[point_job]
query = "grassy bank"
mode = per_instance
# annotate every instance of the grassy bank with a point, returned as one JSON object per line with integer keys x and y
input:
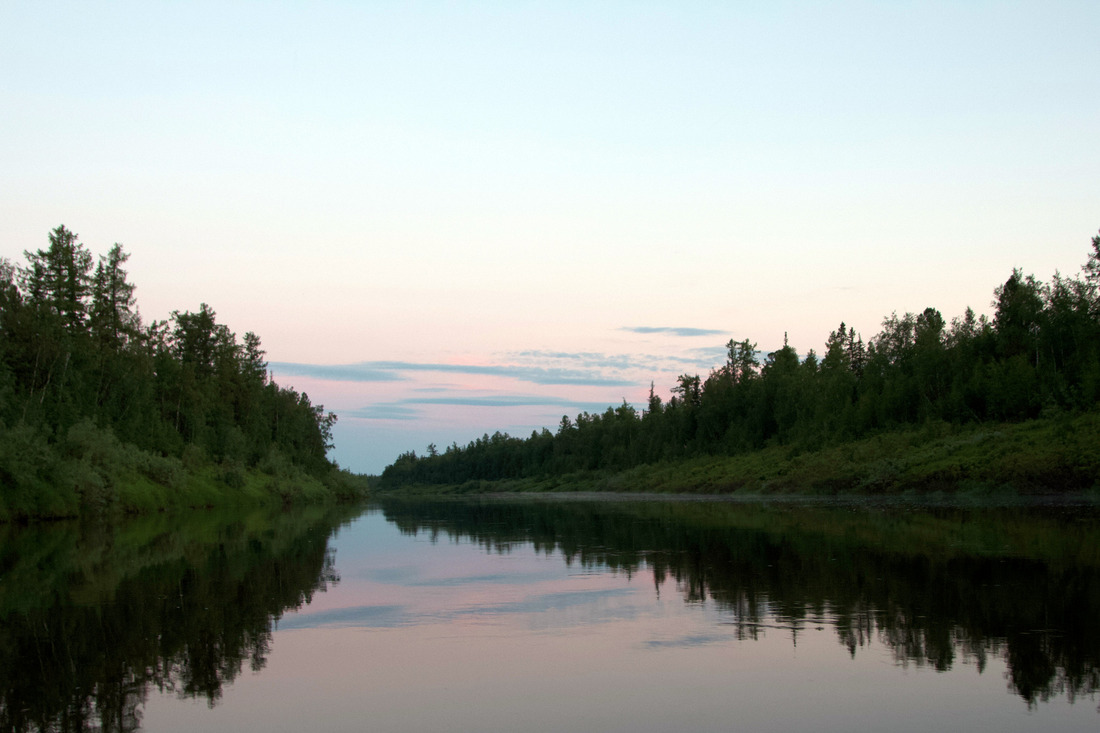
{"x": 91, "y": 471}
{"x": 1053, "y": 455}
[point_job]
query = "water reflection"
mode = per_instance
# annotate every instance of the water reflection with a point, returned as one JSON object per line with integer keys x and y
{"x": 938, "y": 586}
{"x": 93, "y": 616}
{"x": 444, "y": 603}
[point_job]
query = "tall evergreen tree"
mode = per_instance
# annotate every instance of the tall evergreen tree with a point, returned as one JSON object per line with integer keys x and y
{"x": 58, "y": 278}
{"x": 113, "y": 318}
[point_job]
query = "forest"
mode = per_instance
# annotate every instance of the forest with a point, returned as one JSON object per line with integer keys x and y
{"x": 100, "y": 410}
{"x": 1038, "y": 357}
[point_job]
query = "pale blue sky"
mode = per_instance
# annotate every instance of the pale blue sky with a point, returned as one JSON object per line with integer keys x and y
{"x": 449, "y": 218}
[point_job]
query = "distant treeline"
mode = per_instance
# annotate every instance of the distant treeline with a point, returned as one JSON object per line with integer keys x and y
{"x": 1040, "y": 353}
{"x": 84, "y": 382}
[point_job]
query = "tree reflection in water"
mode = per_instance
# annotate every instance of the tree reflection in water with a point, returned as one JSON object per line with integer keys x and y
{"x": 936, "y": 585}
{"x": 93, "y": 616}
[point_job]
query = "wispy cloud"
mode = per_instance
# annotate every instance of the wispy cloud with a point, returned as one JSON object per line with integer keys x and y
{"x": 407, "y": 408}
{"x": 543, "y": 368}
{"x": 395, "y": 371}
{"x": 361, "y": 372}
{"x": 675, "y": 330}
{"x": 383, "y": 411}
{"x": 506, "y": 401}
{"x": 635, "y": 365}
{"x": 707, "y": 357}
{"x": 588, "y": 361}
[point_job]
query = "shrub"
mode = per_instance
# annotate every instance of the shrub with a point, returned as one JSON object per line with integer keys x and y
{"x": 164, "y": 470}
{"x": 32, "y": 476}
{"x": 232, "y": 474}
{"x": 276, "y": 463}
{"x": 194, "y": 457}
{"x": 99, "y": 447}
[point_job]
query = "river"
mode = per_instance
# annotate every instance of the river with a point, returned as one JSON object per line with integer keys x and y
{"x": 551, "y": 614}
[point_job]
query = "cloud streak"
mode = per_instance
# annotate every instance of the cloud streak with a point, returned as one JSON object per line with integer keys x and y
{"x": 396, "y": 371}
{"x": 629, "y": 371}
{"x": 682, "y": 331}
{"x": 361, "y": 372}
{"x": 383, "y": 411}
{"x": 407, "y": 409}
{"x": 638, "y": 365}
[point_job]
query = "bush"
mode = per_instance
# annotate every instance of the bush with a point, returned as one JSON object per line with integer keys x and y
{"x": 275, "y": 463}
{"x": 232, "y": 474}
{"x": 164, "y": 470}
{"x": 94, "y": 488}
{"x": 29, "y": 475}
{"x": 194, "y": 457}
{"x": 98, "y": 447}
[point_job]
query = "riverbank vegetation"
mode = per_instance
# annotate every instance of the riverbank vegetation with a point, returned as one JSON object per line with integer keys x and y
{"x": 100, "y": 411}
{"x": 1010, "y": 402}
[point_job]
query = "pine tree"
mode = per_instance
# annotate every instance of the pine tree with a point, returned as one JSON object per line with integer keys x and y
{"x": 58, "y": 279}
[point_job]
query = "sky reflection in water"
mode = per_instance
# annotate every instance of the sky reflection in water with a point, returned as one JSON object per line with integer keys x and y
{"x": 439, "y": 630}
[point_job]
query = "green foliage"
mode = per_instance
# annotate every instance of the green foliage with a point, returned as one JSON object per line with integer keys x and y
{"x": 91, "y": 400}
{"x": 29, "y": 473}
{"x": 1039, "y": 353}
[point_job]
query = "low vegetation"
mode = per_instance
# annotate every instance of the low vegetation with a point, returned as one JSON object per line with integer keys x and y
{"x": 1044, "y": 456}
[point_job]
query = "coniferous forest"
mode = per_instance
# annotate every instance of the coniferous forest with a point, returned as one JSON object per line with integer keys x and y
{"x": 1037, "y": 359}
{"x": 100, "y": 410}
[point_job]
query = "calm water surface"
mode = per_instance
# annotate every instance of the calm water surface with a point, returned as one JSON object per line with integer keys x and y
{"x": 558, "y": 616}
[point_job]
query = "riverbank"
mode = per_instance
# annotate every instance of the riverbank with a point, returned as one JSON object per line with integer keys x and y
{"x": 1052, "y": 455}
{"x": 92, "y": 472}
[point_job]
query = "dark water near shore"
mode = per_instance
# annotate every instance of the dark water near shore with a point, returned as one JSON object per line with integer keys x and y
{"x": 500, "y": 615}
